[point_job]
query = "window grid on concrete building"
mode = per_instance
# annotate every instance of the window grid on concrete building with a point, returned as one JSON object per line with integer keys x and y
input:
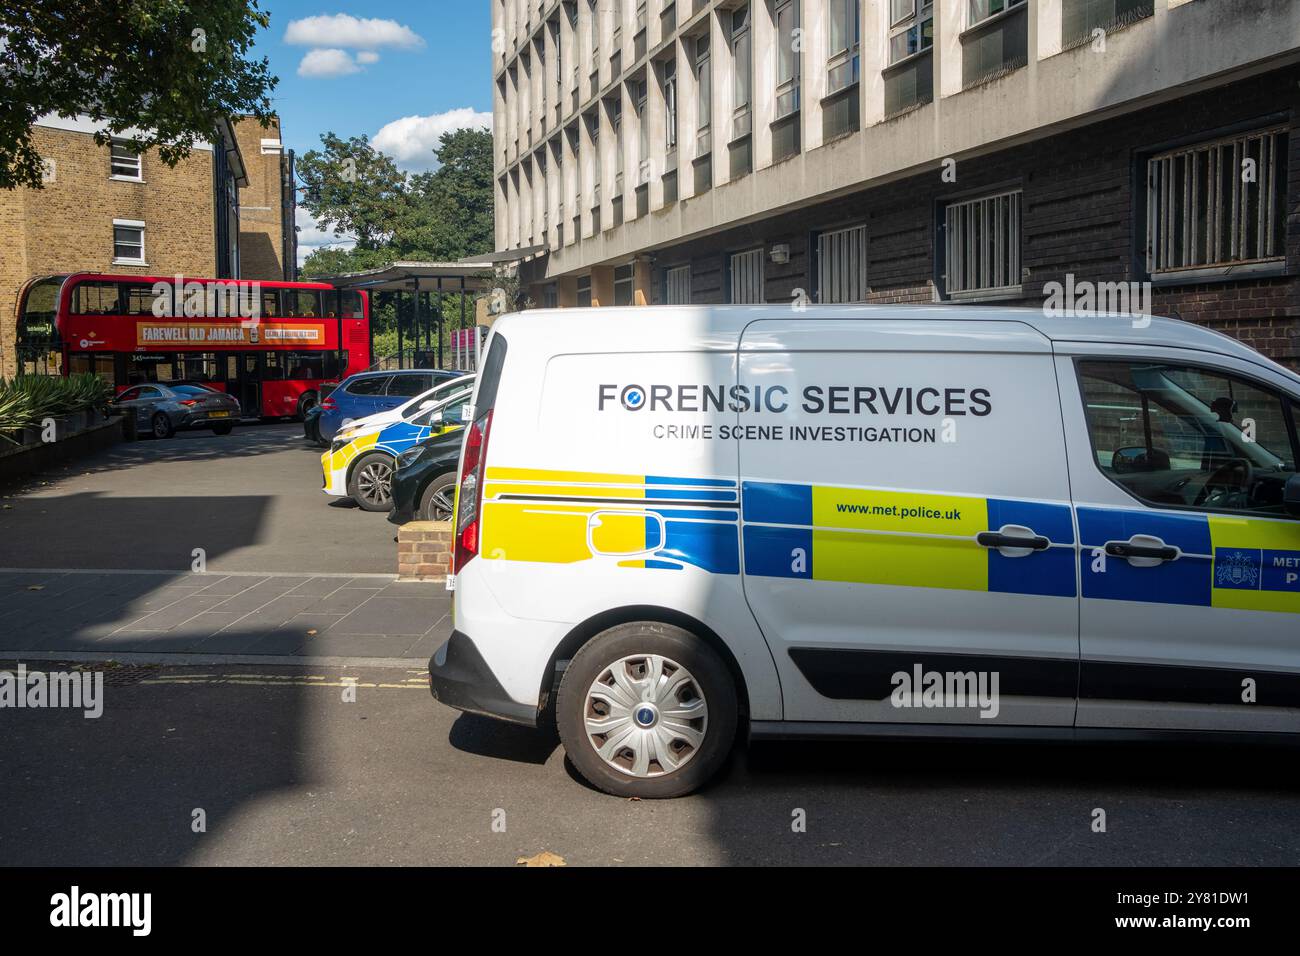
{"x": 982, "y": 243}
{"x": 746, "y": 274}
{"x": 677, "y": 285}
{"x": 842, "y": 265}
{"x": 1218, "y": 203}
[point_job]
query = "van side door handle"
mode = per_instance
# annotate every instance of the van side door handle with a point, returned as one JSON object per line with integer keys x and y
{"x": 1001, "y": 539}
{"x": 1150, "y": 549}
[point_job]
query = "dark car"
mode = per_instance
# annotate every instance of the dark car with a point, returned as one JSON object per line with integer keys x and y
{"x": 163, "y": 408}
{"x": 366, "y": 393}
{"x": 424, "y": 485}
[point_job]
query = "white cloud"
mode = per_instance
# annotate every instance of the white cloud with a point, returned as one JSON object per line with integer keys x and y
{"x": 312, "y": 237}
{"x": 342, "y": 30}
{"x": 322, "y": 64}
{"x": 410, "y": 140}
{"x": 367, "y": 56}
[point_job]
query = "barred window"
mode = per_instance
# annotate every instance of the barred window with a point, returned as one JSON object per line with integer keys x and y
{"x": 677, "y": 286}
{"x": 1218, "y": 203}
{"x": 747, "y": 277}
{"x": 842, "y": 265}
{"x": 982, "y": 243}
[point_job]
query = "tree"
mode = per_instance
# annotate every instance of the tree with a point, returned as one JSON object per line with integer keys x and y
{"x": 442, "y": 216}
{"x": 170, "y": 69}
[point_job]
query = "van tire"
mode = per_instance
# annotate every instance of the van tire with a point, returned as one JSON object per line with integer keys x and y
{"x": 708, "y": 677}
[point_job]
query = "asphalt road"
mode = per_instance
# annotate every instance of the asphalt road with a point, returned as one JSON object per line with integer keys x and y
{"x": 286, "y": 772}
{"x": 252, "y": 500}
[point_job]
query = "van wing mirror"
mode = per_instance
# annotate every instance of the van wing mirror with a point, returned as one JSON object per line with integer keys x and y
{"x": 1291, "y": 496}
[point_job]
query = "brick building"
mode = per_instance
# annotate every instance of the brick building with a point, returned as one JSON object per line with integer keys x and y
{"x": 224, "y": 211}
{"x": 708, "y": 151}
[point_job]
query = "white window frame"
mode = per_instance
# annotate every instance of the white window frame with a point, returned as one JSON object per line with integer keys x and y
{"x": 745, "y": 277}
{"x": 742, "y": 81}
{"x": 977, "y": 11}
{"x": 920, "y": 13}
{"x": 127, "y": 161}
{"x": 703, "y": 67}
{"x": 1175, "y": 248}
{"x": 851, "y": 54}
{"x": 966, "y": 222}
{"x": 128, "y": 224}
{"x": 789, "y": 87}
{"x": 842, "y": 265}
{"x": 670, "y": 105}
{"x": 677, "y": 285}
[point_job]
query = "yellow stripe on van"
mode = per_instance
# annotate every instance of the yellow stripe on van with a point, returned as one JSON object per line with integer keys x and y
{"x": 497, "y": 489}
{"x": 562, "y": 477}
{"x": 867, "y": 509}
{"x": 529, "y": 531}
{"x": 1262, "y": 535}
{"x": 900, "y": 560}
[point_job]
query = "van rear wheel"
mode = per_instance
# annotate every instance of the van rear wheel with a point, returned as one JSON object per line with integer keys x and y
{"x": 647, "y": 710}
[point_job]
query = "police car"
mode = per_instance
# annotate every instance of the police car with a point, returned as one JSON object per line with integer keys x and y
{"x": 858, "y": 521}
{"x": 363, "y": 456}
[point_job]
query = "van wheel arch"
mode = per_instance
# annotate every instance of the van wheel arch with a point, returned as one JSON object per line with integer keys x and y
{"x": 593, "y": 626}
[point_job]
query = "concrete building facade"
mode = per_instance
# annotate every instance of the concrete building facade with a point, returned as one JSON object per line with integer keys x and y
{"x": 226, "y": 211}
{"x": 707, "y": 151}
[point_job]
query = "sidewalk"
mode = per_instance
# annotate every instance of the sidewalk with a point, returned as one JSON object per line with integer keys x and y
{"x": 308, "y": 616}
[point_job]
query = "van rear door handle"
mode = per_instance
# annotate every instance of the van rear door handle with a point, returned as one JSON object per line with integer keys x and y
{"x": 1000, "y": 539}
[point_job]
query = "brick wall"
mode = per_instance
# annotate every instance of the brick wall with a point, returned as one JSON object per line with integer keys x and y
{"x": 424, "y": 550}
{"x": 261, "y": 232}
{"x": 68, "y": 225}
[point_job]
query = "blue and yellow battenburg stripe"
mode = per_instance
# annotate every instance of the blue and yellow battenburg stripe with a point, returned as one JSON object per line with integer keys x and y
{"x": 882, "y": 537}
{"x": 904, "y": 539}
{"x": 1226, "y": 561}
{"x": 638, "y": 521}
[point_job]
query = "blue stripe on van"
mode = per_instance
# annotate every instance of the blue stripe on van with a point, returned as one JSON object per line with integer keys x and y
{"x": 776, "y": 503}
{"x": 1184, "y": 581}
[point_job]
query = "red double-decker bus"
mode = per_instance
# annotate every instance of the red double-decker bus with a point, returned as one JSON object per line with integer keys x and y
{"x": 272, "y": 345}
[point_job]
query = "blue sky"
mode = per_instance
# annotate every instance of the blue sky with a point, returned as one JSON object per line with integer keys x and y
{"x": 400, "y": 73}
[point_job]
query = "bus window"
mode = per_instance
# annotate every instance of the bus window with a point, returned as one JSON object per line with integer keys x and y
{"x": 137, "y": 299}
{"x": 302, "y": 304}
{"x": 95, "y": 298}
{"x": 271, "y": 303}
{"x": 306, "y": 365}
{"x": 100, "y": 364}
{"x": 199, "y": 367}
{"x": 152, "y": 367}
{"x": 274, "y": 367}
{"x": 350, "y": 305}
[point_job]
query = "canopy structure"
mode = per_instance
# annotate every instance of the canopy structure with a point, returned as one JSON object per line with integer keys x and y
{"x": 433, "y": 305}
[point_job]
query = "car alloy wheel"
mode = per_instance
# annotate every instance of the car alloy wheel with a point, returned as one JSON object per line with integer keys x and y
{"x": 375, "y": 483}
{"x": 646, "y": 715}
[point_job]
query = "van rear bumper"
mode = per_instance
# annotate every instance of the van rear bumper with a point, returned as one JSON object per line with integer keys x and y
{"x": 459, "y": 677}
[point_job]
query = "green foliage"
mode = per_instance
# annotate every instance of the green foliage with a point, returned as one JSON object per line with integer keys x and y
{"x": 438, "y": 216}
{"x": 170, "y": 68}
{"x": 25, "y": 402}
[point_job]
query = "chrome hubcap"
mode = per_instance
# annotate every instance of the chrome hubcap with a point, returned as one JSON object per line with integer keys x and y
{"x": 375, "y": 483}
{"x": 646, "y": 716}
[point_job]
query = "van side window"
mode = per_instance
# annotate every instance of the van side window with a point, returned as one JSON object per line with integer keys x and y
{"x": 1190, "y": 437}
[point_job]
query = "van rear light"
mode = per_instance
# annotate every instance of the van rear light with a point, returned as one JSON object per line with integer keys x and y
{"x": 469, "y": 497}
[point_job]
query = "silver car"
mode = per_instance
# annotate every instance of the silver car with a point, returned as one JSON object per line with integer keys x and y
{"x": 161, "y": 408}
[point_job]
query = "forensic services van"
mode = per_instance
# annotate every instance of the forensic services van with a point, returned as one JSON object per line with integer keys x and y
{"x": 676, "y": 523}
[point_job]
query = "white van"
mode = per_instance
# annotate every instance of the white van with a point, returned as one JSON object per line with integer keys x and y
{"x": 851, "y": 521}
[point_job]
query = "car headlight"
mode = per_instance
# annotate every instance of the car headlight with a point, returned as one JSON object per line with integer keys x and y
{"x": 410, "y": 456}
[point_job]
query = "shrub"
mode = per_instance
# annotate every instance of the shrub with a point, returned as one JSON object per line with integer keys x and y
{"x": 28, "y": 400}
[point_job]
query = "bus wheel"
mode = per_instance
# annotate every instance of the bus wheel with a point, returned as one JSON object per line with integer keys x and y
{"x": 371, "y": 483}
{"x": 308, "y": 401}
{"x": 647, "y": 710}
{"x": 162, "y": 426}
